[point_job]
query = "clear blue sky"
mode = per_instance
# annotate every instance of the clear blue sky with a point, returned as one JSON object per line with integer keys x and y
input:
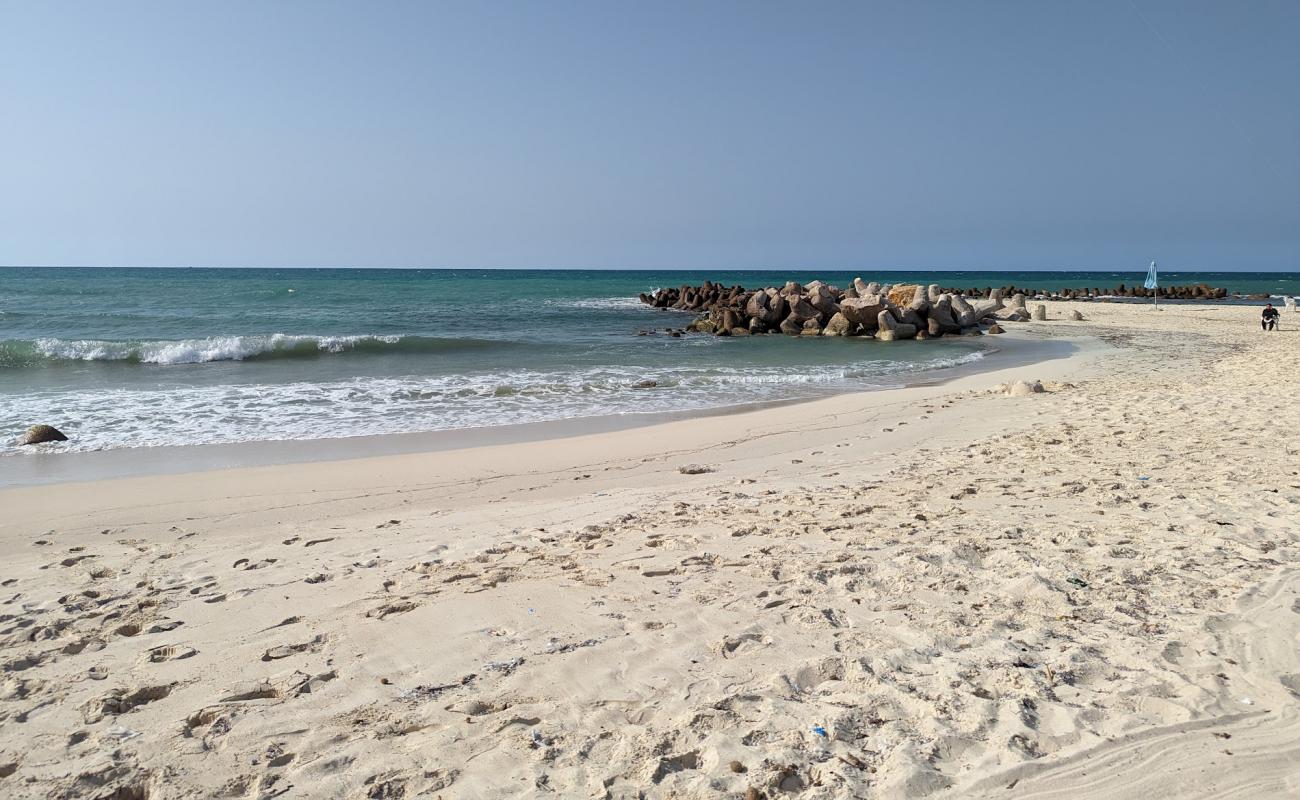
{"x": 911, "y": 134}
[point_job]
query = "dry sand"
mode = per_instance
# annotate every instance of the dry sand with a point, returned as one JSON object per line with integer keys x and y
{"x": 1089, "y": 592}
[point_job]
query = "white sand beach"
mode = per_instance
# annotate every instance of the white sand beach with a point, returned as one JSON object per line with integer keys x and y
{"x": 1090, "y": 592}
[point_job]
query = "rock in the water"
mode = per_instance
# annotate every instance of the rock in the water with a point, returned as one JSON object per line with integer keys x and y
{"x": 1040, "y": 312}
{"x": 822, "y": 298}
{"x": 862, "y": 310}
{"x": 913, "y": 317}
{"x": 801, "y": 310}
{"x": 1023, "y": 388}
{"x": 941, "y": 316}
{"x": 42, "y": 433}
{"x": 811, "y": 327}
{"x": 903, "y": 294}
{"x": 996, "y": 328}
{"x": 649, "y": 384}
{"x": 766, "y": 308}
{"x": 901, "y": 330}
{"x": 838, "y": 325}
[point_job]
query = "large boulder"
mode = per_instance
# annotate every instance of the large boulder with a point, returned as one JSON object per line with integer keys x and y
{"x": 901, "y": 330}
{"x": 792, "y": 288}
{"x": 37, "y": 434}
{"x": 1017, "y": 300}
{"x": 811, "y": 327}
{"x": 767, "y": 309}
{"x": 911, "y": 316}
{"x": 964, "y": 312}
{"x": 862, "y": 310}
{"x": 885, "y": 320}
{"x": 984, "y": 308}
{"x": 903, "y": 294}
{"x": 791, "y": 326}
{"x": 1040, "y": 312}
{"x": 822, "y": 298}
{"x": 838, "y": 325}
{"x": 801, "y": 309}
{"x": 942, "y": 316}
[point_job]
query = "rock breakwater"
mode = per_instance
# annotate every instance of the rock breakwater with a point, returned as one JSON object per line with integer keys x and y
{"x": 900, "y": 311}
{"x": 883, "y": 311}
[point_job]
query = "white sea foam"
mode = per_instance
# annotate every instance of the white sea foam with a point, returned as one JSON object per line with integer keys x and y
{"x": 196, "y": 351}
{"x": 598, "y": 303}
{"x": 113, "y": 418}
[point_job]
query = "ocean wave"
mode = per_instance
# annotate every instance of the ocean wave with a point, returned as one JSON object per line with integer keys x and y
{"x": 597, "y": 303}
{"x": 22, "y": 353}
{"x": 98, "y": 419}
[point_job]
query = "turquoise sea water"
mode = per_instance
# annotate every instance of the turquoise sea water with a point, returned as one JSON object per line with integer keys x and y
{"x": 141, "y": 357}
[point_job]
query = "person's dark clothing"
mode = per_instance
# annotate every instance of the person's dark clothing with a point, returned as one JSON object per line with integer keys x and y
{"x": 1268, "y": 320}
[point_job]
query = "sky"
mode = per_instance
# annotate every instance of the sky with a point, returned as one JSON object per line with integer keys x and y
{"x": 836, "y": 135}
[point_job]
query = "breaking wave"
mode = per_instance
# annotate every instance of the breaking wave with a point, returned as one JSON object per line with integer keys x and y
{"x": 98, "y": 419}
{"x": 23, "y": 353}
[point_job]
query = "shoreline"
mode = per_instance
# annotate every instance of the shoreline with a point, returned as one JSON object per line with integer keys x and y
{"x": 1010, "y": 350}
{"x": 942, "y": 589}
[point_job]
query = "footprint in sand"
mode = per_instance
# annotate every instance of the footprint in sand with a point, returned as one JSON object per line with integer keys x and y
{"x": 389, "y": 609}
{"x": 247, "y": 564}
{"x": 286, "y": 650}
{"x": 123, "y": 701}
{"x": 253, "y": 691}
{"x": 170, "y": 652}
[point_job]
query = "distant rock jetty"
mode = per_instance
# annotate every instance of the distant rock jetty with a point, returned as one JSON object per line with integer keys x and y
{"x": 901, "y": 311}
{"x": 886, "y": 312}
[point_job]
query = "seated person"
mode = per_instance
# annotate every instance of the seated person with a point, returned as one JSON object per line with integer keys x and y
{"x": 1268, "y": 320}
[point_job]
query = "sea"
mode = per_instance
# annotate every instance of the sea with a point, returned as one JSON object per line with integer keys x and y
{"x": 143, "y": 357}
